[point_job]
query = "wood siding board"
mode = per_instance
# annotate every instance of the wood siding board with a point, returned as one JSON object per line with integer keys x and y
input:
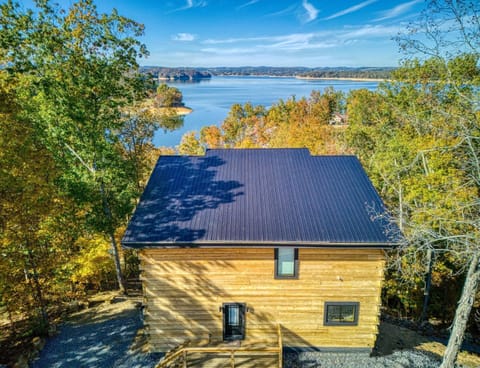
{"x": 185, "y": 287}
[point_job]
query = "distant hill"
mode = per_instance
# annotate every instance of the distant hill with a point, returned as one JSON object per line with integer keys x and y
{"x": 259, "y": 71}
{"x": 195, "y": 74}
{"x": 175, "y": 74}
{"x": 361, "y": 73}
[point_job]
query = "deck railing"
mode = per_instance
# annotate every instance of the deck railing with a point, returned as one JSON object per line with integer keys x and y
{"x": 280, "y": 346}
{"x": 179, "y": 355}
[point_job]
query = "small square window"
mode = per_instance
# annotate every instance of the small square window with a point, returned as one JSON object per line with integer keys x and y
{"x": 341, "y": 313}
{"x": 286, "y": 263}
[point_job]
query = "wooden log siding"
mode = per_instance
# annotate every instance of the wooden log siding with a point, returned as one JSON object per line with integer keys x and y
{"x": 184, "y": 289}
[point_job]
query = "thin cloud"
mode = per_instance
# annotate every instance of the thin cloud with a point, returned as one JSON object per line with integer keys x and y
{"x": 231, "y": 51}
{"x": 284, "y": 43}
{"x": 196, "y": 4}
{"x": 301, "y": 46}
{"x": 368, "y": 31}
{"x": 183, "y": 37}
{"x": 191, "y": 4}
{"x": 233, "y": 40}
{"x": 288, "y": 10}
{"x": 294, "y": 41}
{"x": 397, "y": 10}
{"x": 273, "y": 48}
{"x": 312, "y": 12}
{"x": 340, "y": 46}
{"x": 352, "y": 9}
{"x": 301, "y": 41}
{"x": 252, "y": 2}
{"x": 290, "y": 38}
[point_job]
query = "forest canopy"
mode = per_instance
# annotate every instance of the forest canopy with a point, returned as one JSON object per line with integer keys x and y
{"x": 75, "y": 151}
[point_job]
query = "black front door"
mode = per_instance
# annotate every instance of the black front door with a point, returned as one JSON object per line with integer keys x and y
{"x": 233, "y": 321}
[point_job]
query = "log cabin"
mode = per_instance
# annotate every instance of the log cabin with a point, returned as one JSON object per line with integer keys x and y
{"x": 234, "y": 242}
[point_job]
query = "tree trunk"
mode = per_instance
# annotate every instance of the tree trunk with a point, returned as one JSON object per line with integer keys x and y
{"x": 113, "y": 242}
{"x": 11, "y": 320}
{"x": 35, "y": 282}
{"x": 462, "y": 313}
{"x": 428, "y": 284}
{"x": 118, "y": 268}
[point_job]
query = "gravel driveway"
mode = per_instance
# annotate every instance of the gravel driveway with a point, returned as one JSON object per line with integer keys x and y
{"x": 103, "y": 339}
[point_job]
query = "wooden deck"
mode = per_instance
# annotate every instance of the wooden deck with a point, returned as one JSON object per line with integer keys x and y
{"x": 210, "y": 354}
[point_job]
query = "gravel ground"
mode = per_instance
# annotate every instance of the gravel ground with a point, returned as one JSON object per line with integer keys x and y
{"x": 401, "y": 359}
{"x": 89, "y": 341}
{"x": 107, "y": 336}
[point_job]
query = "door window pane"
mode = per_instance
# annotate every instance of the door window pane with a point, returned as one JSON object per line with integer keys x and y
{"x": 233, "y": 316}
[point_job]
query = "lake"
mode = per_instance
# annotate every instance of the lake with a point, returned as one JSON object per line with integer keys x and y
{"x": 211, "y": 99}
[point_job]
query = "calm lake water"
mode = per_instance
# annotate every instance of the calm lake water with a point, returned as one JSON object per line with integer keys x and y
{"x": 211, "y": 99}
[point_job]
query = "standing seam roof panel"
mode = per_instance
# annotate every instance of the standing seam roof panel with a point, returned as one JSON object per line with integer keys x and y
{"x": 258, "y": 195}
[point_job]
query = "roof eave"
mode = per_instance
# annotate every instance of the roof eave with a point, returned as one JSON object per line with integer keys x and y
{"x": 261, "y": 244}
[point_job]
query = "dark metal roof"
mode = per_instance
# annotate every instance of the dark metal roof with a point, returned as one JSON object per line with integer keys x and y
{"x": 259, "y": 197}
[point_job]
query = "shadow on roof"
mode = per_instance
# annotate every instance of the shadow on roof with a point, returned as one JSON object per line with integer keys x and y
{"x": 191, "y": 187}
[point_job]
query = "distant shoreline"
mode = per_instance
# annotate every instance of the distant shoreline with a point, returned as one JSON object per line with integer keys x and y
{"x": 197, "y": 74}
{"x": 252, "y": 76}
{"x": 353, "y": 79}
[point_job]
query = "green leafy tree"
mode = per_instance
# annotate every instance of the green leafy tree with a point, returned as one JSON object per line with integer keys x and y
{"x": 34, "y": 243}
{"x": 456, "y": 50}
{"x": 421, "y": 147}
{"x": 407, "y": 145}
{"x": 136, "y": 138}
{"x": 73, "y": 73}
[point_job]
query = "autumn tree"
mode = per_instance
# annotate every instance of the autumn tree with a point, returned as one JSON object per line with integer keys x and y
{"x": 190, "y": 145}
{"x": 390, "y": 129}
{"x": 211, "y": 137}
{"x": 448, "y": 32}
{"x": 35, "y": 244}
{"x": 243, "y": 125}
{"x": 306, "y": 122}
{"x": 168, "y": 96}
{"x": 422, "y": 146}
{"x": 73, "y": 73}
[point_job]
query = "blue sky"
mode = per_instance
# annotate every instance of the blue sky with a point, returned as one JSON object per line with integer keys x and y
{"x": 269, "y": 32}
